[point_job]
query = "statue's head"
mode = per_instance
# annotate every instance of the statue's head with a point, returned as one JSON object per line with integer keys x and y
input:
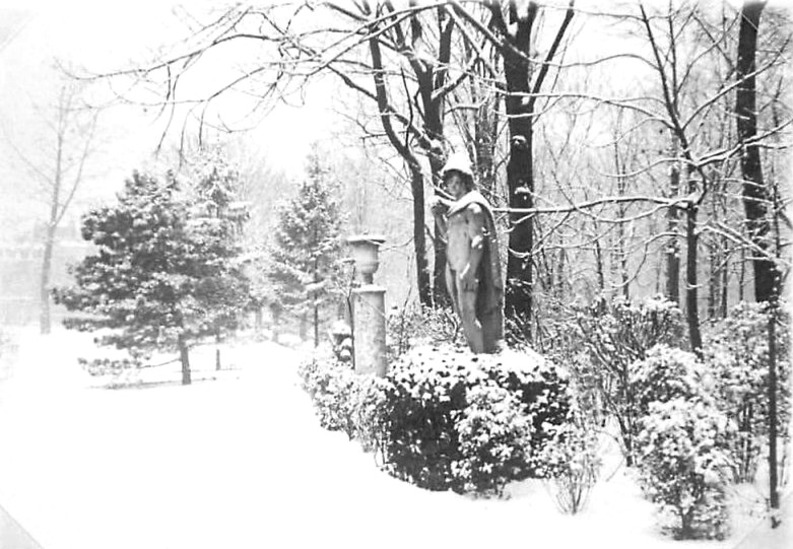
{"x": 458, "y": 178}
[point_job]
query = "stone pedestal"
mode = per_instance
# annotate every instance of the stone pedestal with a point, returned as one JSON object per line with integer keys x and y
{"x": 369, "y": 330}
{"x": 368, "y": 307}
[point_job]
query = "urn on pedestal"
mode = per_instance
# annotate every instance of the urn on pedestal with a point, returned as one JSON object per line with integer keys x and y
{"x": 368, "y": 310}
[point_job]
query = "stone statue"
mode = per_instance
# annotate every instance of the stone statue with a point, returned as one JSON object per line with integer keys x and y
{"x": 473, "y": 268}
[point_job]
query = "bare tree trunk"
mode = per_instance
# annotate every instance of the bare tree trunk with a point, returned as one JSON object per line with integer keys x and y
{"x": 755, "y": 194}
{"x": 692, "y": 284}
{"x": 560, "y": 276}
{"x": 773, "y": 419}
{"x": 315, "y": 304}
{"x": 184, "y": 357}
{"x": 316, "y": 323}
{"x": 601, "y": 276}
{"x": 440, "y": 294}
{"x": 416, "y": 175}
{"x": 45, "y": 324}
{"x": 622, "y": 255}
{"x": 742, "y": 276}
{"x": 713, "y": 279}
{"x": 520, "y": 104}
{"x": 419, "y": 236}
{"x": 673, "y": 220}
{"x": 433, "y": 77}
{"x": 725, "y": 286}
{"x": 54, "y": 218}
{"x": 520, "y": 179}
{"x": 773, "y": 479}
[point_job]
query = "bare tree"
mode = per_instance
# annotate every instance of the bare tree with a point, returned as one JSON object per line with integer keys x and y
{"x": 756, "y": 197}
{"x": 523, "y": 83}
{"x": 57, "y": 169}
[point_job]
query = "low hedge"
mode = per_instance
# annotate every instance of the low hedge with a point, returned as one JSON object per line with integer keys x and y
{"x": 444, "y": 418}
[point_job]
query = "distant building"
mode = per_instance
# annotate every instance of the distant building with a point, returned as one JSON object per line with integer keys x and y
{"x": 20, "y": 271}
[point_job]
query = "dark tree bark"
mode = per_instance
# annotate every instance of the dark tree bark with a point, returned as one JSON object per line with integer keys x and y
{"x": 673, "y": 220}
{"x": 520, "y": 104}
{"x": 599, "y": 269}
{"x": 520, "y": 169}
{"x": 692, "y": 285}
{"x": 755, "y": 194}
{"x": 432, "y": 77}
{"x": 419, "y": 237}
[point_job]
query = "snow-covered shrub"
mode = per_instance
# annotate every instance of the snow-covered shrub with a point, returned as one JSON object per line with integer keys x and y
{"x": 459, "y": 421}
{"x": 367, "y": 408}
{"x": 617, "y": 337}
{"x": 330, "y": 383}
{"x": 494, "y": 433}
{"x": 444, "y": 418}
{"x": 571, "y": 463}
{"x": 344, "y": 400}
{"x": 736, "y": 350}
{"x": 666, "y": 373}
{"x": 109, "y": 366}
{"x": 685, "y": 463}
{"x": 426, "y": 393}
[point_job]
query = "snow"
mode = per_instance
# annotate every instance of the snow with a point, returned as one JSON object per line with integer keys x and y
{"x": 239, "y": 461}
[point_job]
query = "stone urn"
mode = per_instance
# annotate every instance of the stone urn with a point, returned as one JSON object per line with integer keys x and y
{"x": 365, "y": 253}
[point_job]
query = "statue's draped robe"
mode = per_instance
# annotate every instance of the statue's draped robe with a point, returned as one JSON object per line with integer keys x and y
{"x": 490, "y": 293}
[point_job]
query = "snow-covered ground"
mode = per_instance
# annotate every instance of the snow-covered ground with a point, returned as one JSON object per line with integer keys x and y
{"x": 239, "y": 461}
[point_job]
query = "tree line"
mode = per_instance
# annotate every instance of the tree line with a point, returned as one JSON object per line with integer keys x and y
{"x": 173, "y": 263}
{"x": 619, "y": 144}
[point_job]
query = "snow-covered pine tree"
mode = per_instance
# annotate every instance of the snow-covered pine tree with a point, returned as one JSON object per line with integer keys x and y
{"x": 163, "y": 275}
{"x": 304, "y": 267}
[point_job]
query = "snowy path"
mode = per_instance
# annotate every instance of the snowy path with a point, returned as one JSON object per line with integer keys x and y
{"x": 240, "y": 462}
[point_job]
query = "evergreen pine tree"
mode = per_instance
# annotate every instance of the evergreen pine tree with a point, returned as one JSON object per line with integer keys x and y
{"x": 165, "y": 272}
{"x": 304, "y": 267}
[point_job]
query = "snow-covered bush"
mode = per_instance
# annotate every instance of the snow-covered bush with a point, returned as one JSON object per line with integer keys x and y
{"x": 330, "y": 383}
{"x": 685, "y": 463}
{"x": 736, "y": 350}
{"x": 571, "y": 463}
{"x": 494, "y": 433}
{"x": 444, "y": 418}
{"x": 425, "y": 395}
{"x": 666, "y": 373}
{"x": 616, "y": 339}
{"x": 343, "y": 400}
{"x": 109, "y": 366}
{"x": 467, "y": 422}
{"x": 367, "y": 408}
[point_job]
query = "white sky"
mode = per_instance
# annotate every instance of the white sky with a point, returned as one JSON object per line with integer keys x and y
{"x": 104, "y": 35}
{"x": 107, "y": 35}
